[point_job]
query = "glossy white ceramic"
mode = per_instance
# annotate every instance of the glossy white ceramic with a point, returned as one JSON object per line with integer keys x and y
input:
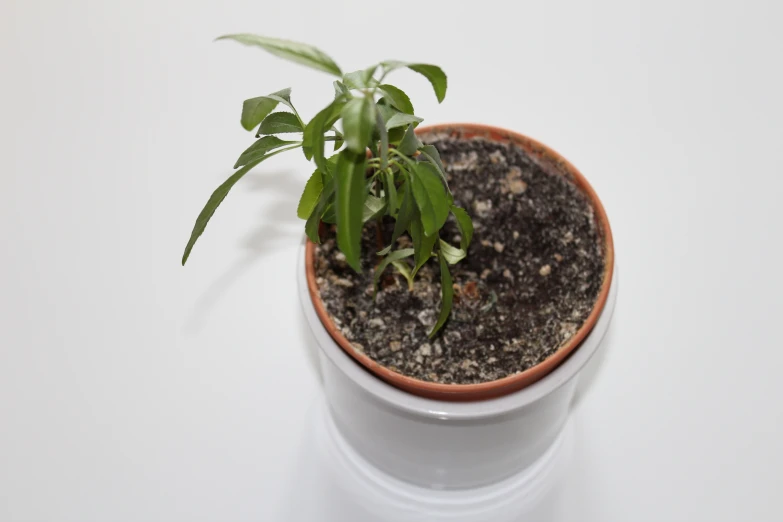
{"x": 446, "y": 445}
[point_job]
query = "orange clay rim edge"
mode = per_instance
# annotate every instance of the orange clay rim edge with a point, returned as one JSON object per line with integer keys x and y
{"x": 470, "y": 392}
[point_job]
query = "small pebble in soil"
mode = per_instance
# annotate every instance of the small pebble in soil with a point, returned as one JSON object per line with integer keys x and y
{"x": 545, "y": 270}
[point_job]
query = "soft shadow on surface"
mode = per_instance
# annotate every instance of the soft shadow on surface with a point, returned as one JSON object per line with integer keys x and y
{"x": 276, "y": 224}
{"x": 592, "y": 370}
{"x": 338, "y": 491}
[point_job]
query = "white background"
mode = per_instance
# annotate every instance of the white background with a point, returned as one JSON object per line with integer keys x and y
{"x": 134, "y": 389}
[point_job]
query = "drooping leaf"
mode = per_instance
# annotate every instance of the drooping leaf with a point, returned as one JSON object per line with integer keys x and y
{"x": 452, "y": 254}
{"x": 431, "y": 154}
{"x": 310, "y": 196}
{"x": 373, "y": 208}
{"x": 465, "y": 226}
{"x": 422, "y": 244}
{"x": 397, "y": 98}
{"x": 410, "y": 142}
{"x": 350, "y": 192}
{"x": 326, "y": 198}
{"x": 391, "y": 258}
{"x": 358, "y": 121}
{"x": 400, "y": 119}
{"x": 361, "y": 79}
{"x": 260, "y": 148}
{"x": 447, "y": 296}
{"x": 313, "y": 137}
{"x": 430, "y": 197}
{"x": 255, "y": 110}
{"x": 433, "y": 73}
{"x": 293, "y": 51}
{"x": 404, "y": 269}
{"x": 330, "y": 215}
{"x": 280, "y": 123}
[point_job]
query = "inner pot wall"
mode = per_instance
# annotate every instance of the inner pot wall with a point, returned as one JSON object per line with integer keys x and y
{"x": 445, "y": 444}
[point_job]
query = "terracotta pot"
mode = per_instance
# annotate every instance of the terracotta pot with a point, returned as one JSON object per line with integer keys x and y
{"x": 551, "y": 162}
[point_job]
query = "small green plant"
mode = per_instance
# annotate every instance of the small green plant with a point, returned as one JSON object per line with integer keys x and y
{"x": 379, "y": 168}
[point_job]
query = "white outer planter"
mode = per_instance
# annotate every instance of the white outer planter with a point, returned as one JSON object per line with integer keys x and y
{"x": 439, "y": 444}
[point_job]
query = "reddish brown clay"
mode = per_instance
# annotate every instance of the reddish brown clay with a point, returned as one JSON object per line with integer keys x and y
{"x": 550, "y": 161}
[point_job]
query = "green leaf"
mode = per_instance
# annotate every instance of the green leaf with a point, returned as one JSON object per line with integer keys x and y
{"x": 404, "y": 216}
{"x": 433, "y": 73}
{"x": 430, "y": 198}
{"x": 311, "y": 227}
{"x": 430, "y": 153}
{"x": 313, "y": 137}
{"x": 447, "y": 296}
{"x": 465, "y": 226}
{"x": 279, "y": 123}
{"x": 310, "y": 196}
{"x": 397, "y": 98}
{"x": 214, "y": 202}
{"x": 452, "y": 254}
{"x": 391, "y": 191}
{"x": 341, "y": 91}
{"x": 350, "y": 192}
{"x": 373, "y": 208}
{"x": 255, "y": 109}
{"x": 358, "y": 121}
{"x": 384, "y": 139}
{"x": 422, "y": 243}
{"x": 293, "y": 51}
{"x": 410, "y": 142}
{"x": 361, "y": 79}
{"x": 400, "y": 119}
{"x": 396, "y": 134}
{"x": 391, "y": 258}
{"x": 260, "y": 148}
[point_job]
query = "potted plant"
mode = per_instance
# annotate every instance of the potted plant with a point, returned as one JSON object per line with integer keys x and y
{"x": 449, "y": 274}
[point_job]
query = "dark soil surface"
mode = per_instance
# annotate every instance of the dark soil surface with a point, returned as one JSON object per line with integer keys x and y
{"x": 531, "y": 277}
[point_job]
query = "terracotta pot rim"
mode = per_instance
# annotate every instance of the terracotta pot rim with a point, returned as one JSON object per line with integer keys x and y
{"x": 511, "y": 383}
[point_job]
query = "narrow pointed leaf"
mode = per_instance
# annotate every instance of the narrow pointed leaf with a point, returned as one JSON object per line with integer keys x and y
{"x": 465, "y": 226}
{"x": 400, "y": 119}
{"x": 391, "y": 258}
{"x": 422, "y": 243}
{"x": 384, "y": 138}
{"x": 391, "y": 191}
{"x": 405, "y": 215}
{"x": 310, "y": 196}
{"x": 431, "y": 154}
{"x": 430, "y": 198}
{"x": 311, "y": 227}
{"x": 313, "y": 137}
{"x": 452, "y": 254}
{"x": 214, "y": 202}
{"x": 280, "y": 123}
{"x": 397, "y": 98}
{"x": 260, "y": 148}
{"x": 293, "y": 51}
{"x": 358, "y": 121}
{"x": 350, "y": 192}
{"x": 255, "y": 110}
{"x": 447, "y": 296}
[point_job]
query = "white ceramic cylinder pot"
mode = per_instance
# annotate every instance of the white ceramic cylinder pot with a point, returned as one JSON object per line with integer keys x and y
{"x": 439, "y": 444}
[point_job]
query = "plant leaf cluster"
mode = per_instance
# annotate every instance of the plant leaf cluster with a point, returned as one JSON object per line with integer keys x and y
{"x": 369, "y": 164}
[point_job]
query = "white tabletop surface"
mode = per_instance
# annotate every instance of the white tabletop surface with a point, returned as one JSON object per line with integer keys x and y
{"x": 132, "y": 389}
